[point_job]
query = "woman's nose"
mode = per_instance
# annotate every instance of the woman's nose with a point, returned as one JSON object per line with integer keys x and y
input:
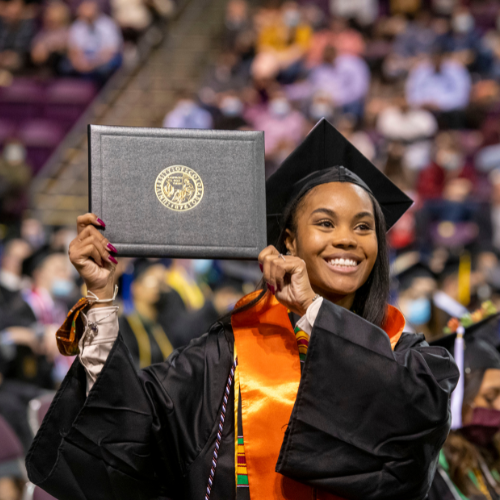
{"x": 344, "y": 238}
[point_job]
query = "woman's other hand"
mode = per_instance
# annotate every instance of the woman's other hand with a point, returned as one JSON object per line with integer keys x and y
{"x": 91, "y": 254}
{"x": 286, "y": 277}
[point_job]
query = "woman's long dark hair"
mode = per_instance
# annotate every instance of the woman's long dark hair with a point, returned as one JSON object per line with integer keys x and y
{"x": 370, "y": 301}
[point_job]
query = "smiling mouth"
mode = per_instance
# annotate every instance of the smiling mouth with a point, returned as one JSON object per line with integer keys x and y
{"x": 343, "y": 265}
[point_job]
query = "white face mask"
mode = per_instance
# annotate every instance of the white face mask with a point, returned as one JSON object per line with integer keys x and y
{"x": 291, "y": 18}
{"x": 279, "y": 107}
{"x": 14, "y": 153}
{"x": 449, "y": 160}
{"x": 320, "y": 110}
{"x": 231, "y": 106}
{"x": 463, "y": 23}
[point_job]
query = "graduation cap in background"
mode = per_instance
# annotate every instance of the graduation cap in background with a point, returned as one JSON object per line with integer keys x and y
{"x": 471, "y": 352}
{"x": 408, "y": 267}
{"x": 35, "y": 260}
{"x": 141, "y": 265}
{"x": 311, "y": 164}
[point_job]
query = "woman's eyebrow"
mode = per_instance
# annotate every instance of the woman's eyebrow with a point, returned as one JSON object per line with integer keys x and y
{"x": 363, "y": 214}
{"x": 327, "y": 211}
{"x": 332, "y": 213}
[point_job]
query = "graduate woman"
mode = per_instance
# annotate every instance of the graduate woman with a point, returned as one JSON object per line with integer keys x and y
{"x": 337, "y": 404}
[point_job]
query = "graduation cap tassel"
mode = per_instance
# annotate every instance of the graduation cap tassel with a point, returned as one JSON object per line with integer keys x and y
{"x": 458, "y": 394}
{"x": 464, "y": 271}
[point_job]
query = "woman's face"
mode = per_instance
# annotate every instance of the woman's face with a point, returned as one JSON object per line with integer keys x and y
{"x": 336, "y": 237}
{"x": 489, "y": 392}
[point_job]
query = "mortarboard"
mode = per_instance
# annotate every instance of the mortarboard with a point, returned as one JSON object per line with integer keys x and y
{"x": 141, "y": 265}
{"x": 311, "y": 163}
{"x": 35, "y": 260}
{"x": 408, "y": 267}
{"x": 471, "y": 353}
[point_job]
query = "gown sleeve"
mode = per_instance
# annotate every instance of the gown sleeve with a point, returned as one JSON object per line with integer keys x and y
{"x": 137, "y": 432}
{"x": 368, "y": 422}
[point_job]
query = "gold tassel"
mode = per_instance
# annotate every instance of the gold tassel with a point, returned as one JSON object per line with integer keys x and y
{"x": 464, "y": 271}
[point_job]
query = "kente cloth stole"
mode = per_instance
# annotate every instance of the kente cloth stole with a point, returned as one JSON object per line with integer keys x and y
{"x": 270, "y": 354}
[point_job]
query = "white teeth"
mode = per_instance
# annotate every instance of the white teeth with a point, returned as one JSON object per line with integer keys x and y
{"x": 343, "y": 262}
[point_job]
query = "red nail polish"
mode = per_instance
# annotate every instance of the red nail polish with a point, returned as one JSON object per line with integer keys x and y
{"x": 112, "y": 259}
{"x": 261, "y": 268}
{"x": 101, "y": 222}
{"x": 272, "y": 289}
{"x": 112, "y": 248}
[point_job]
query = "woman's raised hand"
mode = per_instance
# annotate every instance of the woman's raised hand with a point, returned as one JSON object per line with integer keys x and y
{"x": 91, "y": 254}
{"x": 286, "y": 277}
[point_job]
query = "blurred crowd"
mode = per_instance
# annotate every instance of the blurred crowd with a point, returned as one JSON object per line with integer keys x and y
{"x": 55, "y": 55}
{"x": 415, "y": 87}
{"x": 85, "y": 38}
{"x": 164, "y": 304}
{"x": 413, "y": 84}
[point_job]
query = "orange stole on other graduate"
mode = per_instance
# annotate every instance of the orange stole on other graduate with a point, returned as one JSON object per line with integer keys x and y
{"x": 269, "y": 372}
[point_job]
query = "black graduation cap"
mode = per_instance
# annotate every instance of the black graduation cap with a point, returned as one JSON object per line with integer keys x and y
{"x": 324, "y": 148}
{"x": 141, "y": 265}
{"x": 35, "y": 260}
{"x": 480, "y": 350}
{"x": 410, "y": 266}
{"x": 471, "y": 353}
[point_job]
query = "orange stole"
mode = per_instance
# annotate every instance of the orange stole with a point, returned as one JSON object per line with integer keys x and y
{"x": 269, "y": 371}
{"x": 269, "y": 375}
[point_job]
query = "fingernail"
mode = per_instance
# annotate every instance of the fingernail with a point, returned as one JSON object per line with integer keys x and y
{"x": 101, "y": 222}
{"x": 272, "y": 289}
{"x": 261, "y": 268}
{"x": 112, "y": 248}
{"x": 112, "y": 259}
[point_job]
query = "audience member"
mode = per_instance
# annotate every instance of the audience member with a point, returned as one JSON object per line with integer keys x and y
{"x": 439, "y": 85}
{"x": 50, "y": 295}
{"x": 11, "y": 280}
{"x": 51, "y": 43}
{"x": 187, "y": 113}
{"x": 94, "y": 45}
{"x": 282, "y": 124}
{"x": 345, "y": 40}
{"x": 17, "y": 28}
{"x": 15, "y": 175}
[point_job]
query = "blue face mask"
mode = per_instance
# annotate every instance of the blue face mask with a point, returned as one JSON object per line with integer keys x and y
{"x": 202, "y": 266}
{"x": 419, "y": 311}
{"x": 61, "y": 288}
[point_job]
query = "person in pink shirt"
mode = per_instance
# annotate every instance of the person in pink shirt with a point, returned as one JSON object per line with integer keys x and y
{"x": 344, "y": 39}
{"x": 280, "y": 122}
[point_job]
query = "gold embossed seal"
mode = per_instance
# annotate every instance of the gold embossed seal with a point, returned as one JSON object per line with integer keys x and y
{"x": 179, "y": 188}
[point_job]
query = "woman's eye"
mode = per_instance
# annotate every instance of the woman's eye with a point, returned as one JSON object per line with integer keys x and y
{"x": 364, "y": 227}
{"x": 325, "y": 223}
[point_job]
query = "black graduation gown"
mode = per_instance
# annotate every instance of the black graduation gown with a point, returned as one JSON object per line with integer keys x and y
{"x": 368, "y": 423}
{"x": 132, "y": 343}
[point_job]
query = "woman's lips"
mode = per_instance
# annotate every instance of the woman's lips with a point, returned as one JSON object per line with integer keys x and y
{"x": 343, "y": 266}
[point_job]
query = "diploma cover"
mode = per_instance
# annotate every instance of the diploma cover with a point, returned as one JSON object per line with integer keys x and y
{"x": 178, "y": 192}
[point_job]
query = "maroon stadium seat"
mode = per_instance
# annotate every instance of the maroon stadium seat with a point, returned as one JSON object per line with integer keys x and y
{"x": 11, "y": 448}
{"x": 40, "y": 137}
{"x": 7, "y": 130}
{"x": 67, "y": 98}
{"x": 22, "y": 100}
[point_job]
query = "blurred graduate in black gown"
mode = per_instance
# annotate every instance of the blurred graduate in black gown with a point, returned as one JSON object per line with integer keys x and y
{"x": 341, "y": 405}
{"x": 469, "y": 464}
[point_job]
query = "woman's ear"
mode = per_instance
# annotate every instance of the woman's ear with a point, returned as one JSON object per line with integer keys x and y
{"x": 291, "y": 243}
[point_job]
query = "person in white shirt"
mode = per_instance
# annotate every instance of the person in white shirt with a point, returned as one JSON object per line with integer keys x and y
{"x": 440, "y": 84}
{"x": 95, "y": 43}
